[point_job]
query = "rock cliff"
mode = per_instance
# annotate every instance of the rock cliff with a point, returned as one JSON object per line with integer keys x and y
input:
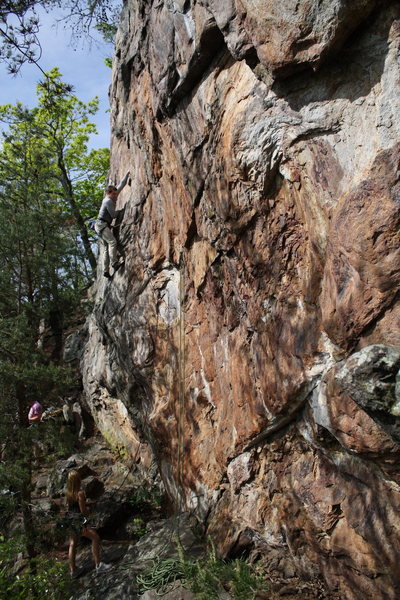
{"x": 250, "y": 344}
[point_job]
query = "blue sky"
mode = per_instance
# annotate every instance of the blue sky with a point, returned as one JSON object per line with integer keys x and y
{"x": 81, "y": 64}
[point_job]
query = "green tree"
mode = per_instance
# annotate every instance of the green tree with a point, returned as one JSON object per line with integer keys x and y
{"x": 36, "y": 278}
{"x": 20, "y": 25}
{"x": 59, "y": 130}
{"x": 48, "y": 182}
{"x": 64, "y": 122}
{"x": 50, "y": 580}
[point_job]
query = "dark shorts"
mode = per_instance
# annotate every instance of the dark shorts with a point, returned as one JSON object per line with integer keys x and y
{"x": 73, "y": 523}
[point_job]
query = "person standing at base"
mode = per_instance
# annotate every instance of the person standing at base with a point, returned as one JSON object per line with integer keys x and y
{"x": 78, "y": 524}
{"x": 102, "y": 225}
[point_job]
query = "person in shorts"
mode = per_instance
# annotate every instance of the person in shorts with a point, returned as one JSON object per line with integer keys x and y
{"x": 79, "y": 525}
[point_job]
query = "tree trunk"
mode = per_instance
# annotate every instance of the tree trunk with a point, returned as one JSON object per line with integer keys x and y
{"x": 26, "y": 500}
{"x": 69, "y": 196}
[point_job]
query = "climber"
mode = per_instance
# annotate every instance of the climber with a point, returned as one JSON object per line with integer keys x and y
{"x": 36, "y": 412}
{"x": 103, "y": 225}
{"x": 78, "y": 524}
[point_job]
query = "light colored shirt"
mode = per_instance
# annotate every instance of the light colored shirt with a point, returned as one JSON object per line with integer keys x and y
{"x": 36, "y": 410}
{"x": 107, "y": 210}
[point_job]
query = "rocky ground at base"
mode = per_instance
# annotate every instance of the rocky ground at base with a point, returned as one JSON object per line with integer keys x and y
{"x": 136, "y": 531}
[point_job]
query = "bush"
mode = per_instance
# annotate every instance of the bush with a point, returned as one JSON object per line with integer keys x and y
{"x": 146, "y": 499}
{"x": 206, "y": 577}
{"x": 138, "y": 527}
{"x": 42, "y": 578}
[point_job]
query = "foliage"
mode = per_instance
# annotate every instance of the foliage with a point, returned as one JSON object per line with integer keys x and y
{"x": 146, "y": 499}
{"x": 237, "y": 578}
{"x": 107, "y": 30}
{"x": 49, "y": 182}
{"x": 84, "y": 14}
{"x": 20, "y": 447}
{"x": 64, "y": 121}
{"x": 19, "y": 41}
{"x": 20, "y": 26}
{"x": 206, "y": 577}
{"x": 138, "y": 527}
{"x": 42, "y": 579}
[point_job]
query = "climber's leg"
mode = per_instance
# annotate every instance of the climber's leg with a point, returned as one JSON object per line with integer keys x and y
{"x": 72, "y": 553}
{"x": 109, "y": 240}
{"x": 93, "y": 536}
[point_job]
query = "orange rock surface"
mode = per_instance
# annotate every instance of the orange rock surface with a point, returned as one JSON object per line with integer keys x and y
{"x": 251, "y": 341}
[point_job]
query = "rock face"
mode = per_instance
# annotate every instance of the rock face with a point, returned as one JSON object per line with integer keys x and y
{"x": 250, "y": 345}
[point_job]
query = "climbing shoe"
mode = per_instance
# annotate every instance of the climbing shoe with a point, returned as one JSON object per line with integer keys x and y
{"x": 107, "y": 274}
{"x": 116, "y": 266}
{"x": 103, "y": 567}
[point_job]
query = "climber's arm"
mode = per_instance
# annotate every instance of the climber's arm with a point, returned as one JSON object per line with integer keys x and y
{"x": 123, "y": 182}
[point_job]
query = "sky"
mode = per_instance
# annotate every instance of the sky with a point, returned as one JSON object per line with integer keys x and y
{"x": 81, "y": 65}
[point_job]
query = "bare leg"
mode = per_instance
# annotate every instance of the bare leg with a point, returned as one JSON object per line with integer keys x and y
{"x": 72, "y": 553}
{"x": 92, "y": 535}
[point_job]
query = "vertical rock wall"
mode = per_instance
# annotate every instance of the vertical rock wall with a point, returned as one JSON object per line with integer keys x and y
{"x": 251, "y": 342}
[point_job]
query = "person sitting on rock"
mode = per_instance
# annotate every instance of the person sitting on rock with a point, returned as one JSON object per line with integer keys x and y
{"x": 78, "y": 524}
{"x": 67, "y": 412}
{"x": 72, "y": 413}
{"x": 35, "y": 413}
{"x": 102, "y": 226}
{"x": 78, "y": 420}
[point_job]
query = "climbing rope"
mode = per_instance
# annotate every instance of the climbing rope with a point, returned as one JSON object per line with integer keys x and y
{"x": 181, "y": 375}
